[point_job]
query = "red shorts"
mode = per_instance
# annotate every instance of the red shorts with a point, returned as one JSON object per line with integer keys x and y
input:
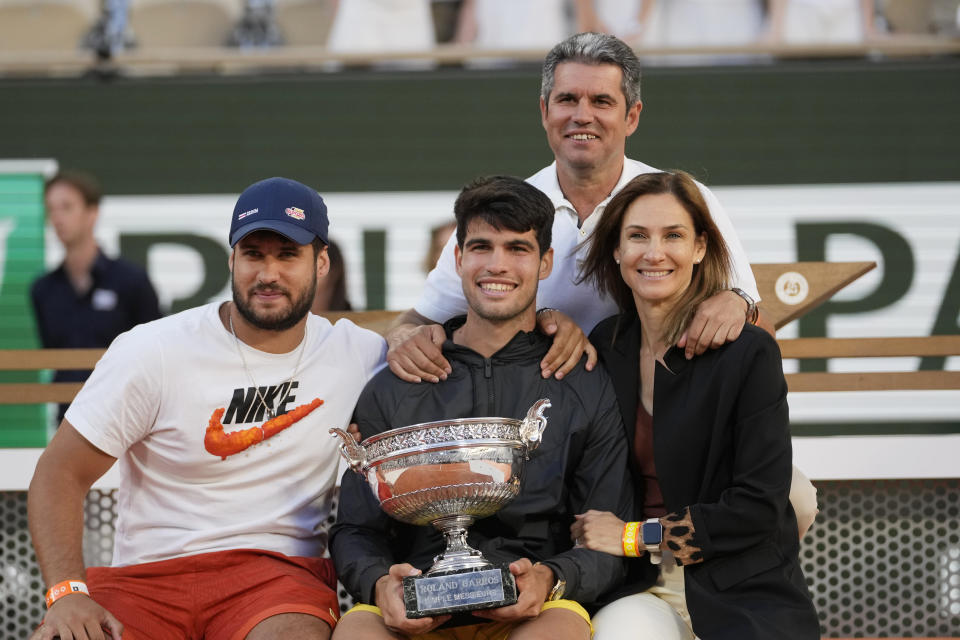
{"x": 215, "y": 596}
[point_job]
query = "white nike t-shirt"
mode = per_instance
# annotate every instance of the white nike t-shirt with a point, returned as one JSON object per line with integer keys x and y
{"x": 151, "y": 398}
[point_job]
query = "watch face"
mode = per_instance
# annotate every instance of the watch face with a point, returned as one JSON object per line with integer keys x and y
{"x": 557, "y": 592}
{"x": 652, "y": 533}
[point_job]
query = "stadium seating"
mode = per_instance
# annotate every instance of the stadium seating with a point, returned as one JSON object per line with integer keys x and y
{"x": 183, "y": 23}
{"x": 52, "y": 25}
{"x": 304, "y": 22}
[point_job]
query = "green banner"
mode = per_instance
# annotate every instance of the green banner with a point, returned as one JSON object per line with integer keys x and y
{"x": 21, "y": 261}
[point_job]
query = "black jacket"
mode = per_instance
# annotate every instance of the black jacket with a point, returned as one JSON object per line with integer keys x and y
{"x": 580, "y": 465}
{"x": 722, "y": 447}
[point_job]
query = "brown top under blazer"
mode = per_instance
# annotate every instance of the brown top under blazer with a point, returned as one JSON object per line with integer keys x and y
{"x": 722, "y": 448}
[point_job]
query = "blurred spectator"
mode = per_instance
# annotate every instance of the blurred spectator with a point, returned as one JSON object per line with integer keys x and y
{"x": 89, "y": 299}
{"x": 438, "y": 240}
{"x": 626, "y": 19}
{"x": 111, "y": 33}
{"x": 689, "y": 23}
{"x": 380, "y": 26}
{"x": 821, "y": 21}
{"x": 332, "y": 288}
{"x": 508, "y": 24}
{"x": 676, "y": 23}
{"x": 445, "y": 14}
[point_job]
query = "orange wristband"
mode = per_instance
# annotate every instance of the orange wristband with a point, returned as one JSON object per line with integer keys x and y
{"x": 629, "y": 540}
{"x": 65, "y": 588}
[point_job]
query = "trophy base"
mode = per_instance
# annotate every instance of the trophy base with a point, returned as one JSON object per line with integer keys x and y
{"x": 426, "y": 596}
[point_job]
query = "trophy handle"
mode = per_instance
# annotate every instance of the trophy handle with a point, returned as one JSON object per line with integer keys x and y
{"x": 352, "y": 452}
{"x": 531, "y": 430}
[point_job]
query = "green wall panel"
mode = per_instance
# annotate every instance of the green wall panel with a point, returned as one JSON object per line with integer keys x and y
{"x": 21, "y": 261}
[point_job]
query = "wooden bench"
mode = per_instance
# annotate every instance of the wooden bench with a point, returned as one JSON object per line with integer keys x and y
{"x": 817, "y": 348}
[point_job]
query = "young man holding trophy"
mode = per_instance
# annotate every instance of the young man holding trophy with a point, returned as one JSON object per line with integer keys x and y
{"x": 503, "y": 251}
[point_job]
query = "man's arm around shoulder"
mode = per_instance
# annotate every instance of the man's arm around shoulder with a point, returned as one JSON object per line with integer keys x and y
{"x": 65, "y": 472}
{"x": 413, "y": 348}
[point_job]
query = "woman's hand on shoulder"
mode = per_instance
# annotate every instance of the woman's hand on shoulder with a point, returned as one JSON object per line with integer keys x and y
{"x": 598, "y": 531}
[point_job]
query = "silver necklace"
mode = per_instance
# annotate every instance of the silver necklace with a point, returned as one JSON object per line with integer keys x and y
{"x": 271, "y": 414}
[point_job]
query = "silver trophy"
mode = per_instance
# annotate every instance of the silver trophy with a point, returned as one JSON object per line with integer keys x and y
{"x": 448, "y": 474}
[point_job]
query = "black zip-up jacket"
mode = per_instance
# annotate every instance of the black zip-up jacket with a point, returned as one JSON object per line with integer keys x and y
{"x": 581, "y": 464}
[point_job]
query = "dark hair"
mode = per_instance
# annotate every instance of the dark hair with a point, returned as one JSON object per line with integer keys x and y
{"x": 438, "y": 232}
{"x": 338, "y": 273}
{"x": 712, "y": 275}
{"x": 505, "y": 202}
{"x": 85, "y": 183}
{"x": 318, "y": 246}
{"x": 594, "y": 48}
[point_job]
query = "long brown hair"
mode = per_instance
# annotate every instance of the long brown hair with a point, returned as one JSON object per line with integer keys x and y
{"x": 712, "y": 275}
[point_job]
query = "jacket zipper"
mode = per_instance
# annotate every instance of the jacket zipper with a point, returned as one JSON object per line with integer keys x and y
{"x": 488, "y": 374}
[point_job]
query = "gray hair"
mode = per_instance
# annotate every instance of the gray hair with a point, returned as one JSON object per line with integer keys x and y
{"x": 595, "y": 48}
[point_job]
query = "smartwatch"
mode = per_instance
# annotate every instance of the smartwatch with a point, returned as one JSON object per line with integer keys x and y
{"x": 651, "y": 533}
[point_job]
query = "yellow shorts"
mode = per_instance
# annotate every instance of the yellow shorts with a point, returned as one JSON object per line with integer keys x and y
{"x": 484, "y": 630}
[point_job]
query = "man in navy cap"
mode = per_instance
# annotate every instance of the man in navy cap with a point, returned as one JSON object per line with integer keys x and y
{"x": 218, "y": 416}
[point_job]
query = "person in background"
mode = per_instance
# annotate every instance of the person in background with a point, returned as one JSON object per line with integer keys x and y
{"x": 89, "y": 299}
{"x": 507, "y": 24}
{"x": 821, "y": 21}
{"x": 332, "y": 290}
{"x": 438, "y": 240}
{"x": 381, "y": 26}
{"x": 629, "y": 20}
{"x": 712, "y": 545}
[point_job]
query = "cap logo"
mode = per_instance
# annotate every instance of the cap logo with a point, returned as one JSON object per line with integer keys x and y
{"x": 293, "y": 212}
{"x": 247, "y": 213}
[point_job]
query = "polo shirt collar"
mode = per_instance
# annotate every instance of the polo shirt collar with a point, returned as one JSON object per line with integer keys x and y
{"x": 560, "y": 203}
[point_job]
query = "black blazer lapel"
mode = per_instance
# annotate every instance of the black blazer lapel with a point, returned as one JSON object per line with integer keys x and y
{"x": 622, "y": 360}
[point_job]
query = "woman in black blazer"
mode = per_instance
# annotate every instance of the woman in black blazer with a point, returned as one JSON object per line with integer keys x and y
{"x": 709, "y": 437}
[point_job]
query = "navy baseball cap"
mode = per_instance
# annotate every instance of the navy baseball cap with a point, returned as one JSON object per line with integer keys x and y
{"x": 282, "y": 205}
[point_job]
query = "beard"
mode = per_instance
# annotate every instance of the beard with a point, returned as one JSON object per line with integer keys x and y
{"x": 277, "y": 320}
{"x": 496, "y": 314}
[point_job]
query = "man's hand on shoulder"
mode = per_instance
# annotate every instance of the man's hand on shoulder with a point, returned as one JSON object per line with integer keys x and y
{"x": 389, "y": 598}
{"x": 534, "y": 582}
{"x": 569, "y": 344}
{"x": 414, "y": 351}
{"x": 719, "y": 319}
{"x": 78, "y": 616}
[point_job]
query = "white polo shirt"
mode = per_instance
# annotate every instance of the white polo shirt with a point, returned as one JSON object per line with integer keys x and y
{"x": 442, "y": 297}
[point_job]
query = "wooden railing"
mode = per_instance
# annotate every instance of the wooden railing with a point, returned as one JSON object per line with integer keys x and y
{"x": 39, "y": 359}
{"x": 796, "y": 348}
